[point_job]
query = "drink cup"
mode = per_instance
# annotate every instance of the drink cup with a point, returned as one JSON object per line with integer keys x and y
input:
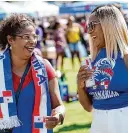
{"x": 90, "y": 82}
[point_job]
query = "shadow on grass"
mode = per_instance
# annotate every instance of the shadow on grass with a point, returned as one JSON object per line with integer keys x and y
{"x": 73, "y": 127}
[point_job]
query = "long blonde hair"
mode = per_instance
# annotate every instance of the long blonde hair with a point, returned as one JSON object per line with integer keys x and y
{"x": 114, "y": 29}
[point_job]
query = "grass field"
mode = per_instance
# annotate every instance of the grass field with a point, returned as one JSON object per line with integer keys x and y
{"x": 77, "y": 120}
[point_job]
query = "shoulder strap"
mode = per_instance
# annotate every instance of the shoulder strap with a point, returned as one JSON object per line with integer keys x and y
{"x": 21, "y": 82}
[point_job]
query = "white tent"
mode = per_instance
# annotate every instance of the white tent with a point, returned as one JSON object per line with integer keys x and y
{"x": 40, "y": 7}
{"x": 8, "y": 8}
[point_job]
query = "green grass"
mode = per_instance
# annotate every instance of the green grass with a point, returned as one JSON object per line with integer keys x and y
{"x": 77, "y": 120}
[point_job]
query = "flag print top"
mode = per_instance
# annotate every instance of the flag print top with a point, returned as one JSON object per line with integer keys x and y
{"x": 111, "y": 82}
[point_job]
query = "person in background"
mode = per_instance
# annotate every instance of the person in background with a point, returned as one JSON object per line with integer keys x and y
{"x": 41, "y": 25}
{"x": 84, "y": 25}
{"x": 39, "y": 32}
{"x": 50, "y": 55}
{"x": 83, "y": 35}
{"x": 60, "y": 43}
{"x": 108, "y": 96}
{"x": 73, "y": 35}
{"x": 29, "y": 87}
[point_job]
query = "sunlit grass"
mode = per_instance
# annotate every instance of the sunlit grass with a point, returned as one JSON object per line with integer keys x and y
{"x": 77, "y": 120}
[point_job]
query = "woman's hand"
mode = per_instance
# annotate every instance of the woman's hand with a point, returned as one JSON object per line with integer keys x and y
{"x": 58, "y": 109}
{"x": 83, "y": 74}
{"x": 53, "y": 120}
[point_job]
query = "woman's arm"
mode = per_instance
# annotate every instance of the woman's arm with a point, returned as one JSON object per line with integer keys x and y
{"x": 55, "y": 95}
{"x": 58, "y": 109}
{"x": 82, "y": 76}
{"x": 84, "y": 99}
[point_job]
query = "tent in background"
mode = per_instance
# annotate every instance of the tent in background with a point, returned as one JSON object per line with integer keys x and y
{"x": 32, "y": 8}
{"x": 74, "y": 8}
{"x": 7, "y": 8}
{"x": 86, "y": 7}
{"x": 41, "y": 8}
{"x": 10, "y": 8}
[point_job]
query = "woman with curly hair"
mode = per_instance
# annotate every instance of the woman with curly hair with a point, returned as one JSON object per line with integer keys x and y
{"x": 29, "y": 96}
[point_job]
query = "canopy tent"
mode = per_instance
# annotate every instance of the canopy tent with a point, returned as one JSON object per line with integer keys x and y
{"x": 7, "y": 8}
{"x": 10, "y": 8}
{"x": 86, "y": 6}
{"x": 73, "y": 8}
{"x": 32, "y": 8}
{"x": 40, "y": 7}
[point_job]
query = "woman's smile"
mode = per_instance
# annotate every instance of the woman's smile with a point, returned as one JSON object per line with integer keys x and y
{"x": 30, "y": 48}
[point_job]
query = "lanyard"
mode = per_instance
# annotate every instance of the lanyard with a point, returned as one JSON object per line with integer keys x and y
{"x": 21, "y": 82}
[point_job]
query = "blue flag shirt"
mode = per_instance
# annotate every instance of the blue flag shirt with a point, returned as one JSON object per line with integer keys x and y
{"x": 111, "y": 82}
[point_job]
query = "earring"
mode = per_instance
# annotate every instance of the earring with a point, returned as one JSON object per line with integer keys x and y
{"x": 10, "y": 47}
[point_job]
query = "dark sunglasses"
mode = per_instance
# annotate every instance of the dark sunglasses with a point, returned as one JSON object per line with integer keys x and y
{"x": 91, "y": 26}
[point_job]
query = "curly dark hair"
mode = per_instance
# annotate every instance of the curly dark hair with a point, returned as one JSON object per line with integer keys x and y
{"x": 12, "y": 26}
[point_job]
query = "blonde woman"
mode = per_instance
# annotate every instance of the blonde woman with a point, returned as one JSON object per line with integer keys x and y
{"x": 108, "y": 98}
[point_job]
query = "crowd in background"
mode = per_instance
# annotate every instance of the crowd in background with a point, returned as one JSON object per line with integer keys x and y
{"x": 62, "y": 34}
